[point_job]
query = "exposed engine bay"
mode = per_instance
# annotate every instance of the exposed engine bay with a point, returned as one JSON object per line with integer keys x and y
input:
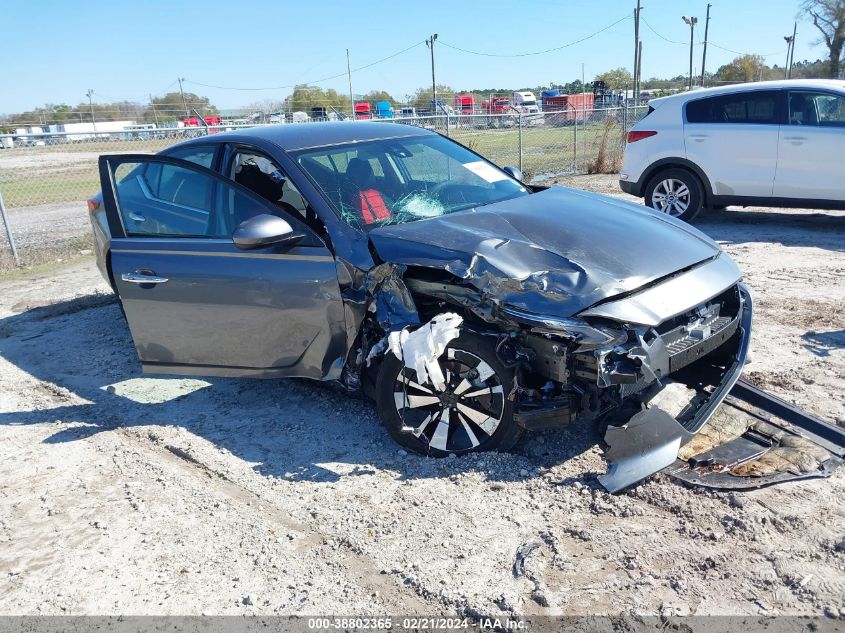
{"x": 652, "y": 375}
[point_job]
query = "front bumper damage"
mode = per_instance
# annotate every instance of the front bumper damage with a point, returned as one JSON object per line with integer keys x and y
{"x": 651, "y": 439}
{"x": 595, "y": 364}
{"x": 756, "y": 440}
{"x": 739, "y": 438}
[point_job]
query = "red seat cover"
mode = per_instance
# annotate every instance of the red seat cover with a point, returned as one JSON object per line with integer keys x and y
{"x": 371, "y": 206}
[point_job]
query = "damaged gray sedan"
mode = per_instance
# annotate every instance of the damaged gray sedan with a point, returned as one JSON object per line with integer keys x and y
{"x": 469, "y": 305}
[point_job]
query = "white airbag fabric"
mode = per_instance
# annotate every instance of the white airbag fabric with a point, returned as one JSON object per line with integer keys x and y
{"x": 420, "y": 349}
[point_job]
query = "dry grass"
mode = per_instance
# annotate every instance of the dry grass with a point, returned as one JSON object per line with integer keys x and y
{"x": 33, "y": 257}
{"x": 608, "y": 159}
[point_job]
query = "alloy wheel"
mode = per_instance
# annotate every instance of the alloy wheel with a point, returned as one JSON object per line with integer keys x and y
{"x": 458, "y": 415}
{"x": 671, "y": 196}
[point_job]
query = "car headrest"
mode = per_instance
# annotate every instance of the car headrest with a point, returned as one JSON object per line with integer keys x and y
{"x": 359, "y": 170}
{"x": 251, "y": 177}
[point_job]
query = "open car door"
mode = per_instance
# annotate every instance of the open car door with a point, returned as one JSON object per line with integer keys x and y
{"x": 197, "y": 303}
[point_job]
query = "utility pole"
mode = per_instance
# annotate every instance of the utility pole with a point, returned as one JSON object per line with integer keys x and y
{"x": 792, "y": 48}
{"x": 692, "y": 22}
{"x": 788, "y": 40}
{"x": 182, "y": 92}
{"x": 349, "y": 76}
{"x": 636, "y": 45}
{"x": 430, "y": 43}
{"x": 90, "y": 95}
{"x": 639, "y": 65}
{"x": 153, "y": 106}
{"x": 704, "y": 54}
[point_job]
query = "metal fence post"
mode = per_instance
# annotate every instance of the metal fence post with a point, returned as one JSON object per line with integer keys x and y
{"x": 575, "y": 143}
{"x": 9, "y": 232}
{"x": 519, "y": 123}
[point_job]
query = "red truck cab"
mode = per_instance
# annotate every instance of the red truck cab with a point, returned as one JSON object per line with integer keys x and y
{"x": 464, "y": 104}
{"x": 497, "y": 105}
{"x": 363, "y": 110}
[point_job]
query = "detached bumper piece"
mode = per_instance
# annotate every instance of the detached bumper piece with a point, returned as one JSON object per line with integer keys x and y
{"x": 651, "y": 439}
{"x": 758, "y": 440}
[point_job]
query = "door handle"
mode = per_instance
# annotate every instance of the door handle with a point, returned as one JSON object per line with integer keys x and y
{"x": 136, "y": 217}
{"x": 698, "y": 137}
{"x": 138, "y": 278}
{"x": 797, "y": 140}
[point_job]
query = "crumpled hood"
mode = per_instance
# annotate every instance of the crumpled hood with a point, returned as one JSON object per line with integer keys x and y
{"x": 556, "y": 252}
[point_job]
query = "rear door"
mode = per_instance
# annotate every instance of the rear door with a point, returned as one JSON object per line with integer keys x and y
{"x": 810, "y": 161}
{"x": 196, "y": 303}
{"x": 734, "y": 139}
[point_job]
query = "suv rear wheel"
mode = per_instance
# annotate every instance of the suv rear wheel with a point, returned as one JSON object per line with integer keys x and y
{"x": 676, "y": 192}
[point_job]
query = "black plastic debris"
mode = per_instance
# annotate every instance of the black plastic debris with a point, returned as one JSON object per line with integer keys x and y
{"x": 522, "y": 553}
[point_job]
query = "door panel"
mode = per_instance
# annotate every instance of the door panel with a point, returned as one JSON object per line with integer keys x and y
{"x": 734, "y": 139}
{"x": 810, "y": 148}
{"x": 273, "y": 311}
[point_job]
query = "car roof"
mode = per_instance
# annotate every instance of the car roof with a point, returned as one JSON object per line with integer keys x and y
{"x": 682, "y": 97}
{"x": 297, "y": 136}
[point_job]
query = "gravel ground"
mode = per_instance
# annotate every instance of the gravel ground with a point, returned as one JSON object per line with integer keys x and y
{"x": 133, "y": 495}
{"x": 39, "y": 226}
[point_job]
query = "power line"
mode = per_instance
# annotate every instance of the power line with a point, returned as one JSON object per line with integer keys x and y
{"x": 780, "y": 52}
{"x": 662, "y": 37}
{"x": 543, "y": 52}
{"x": 132, "y": 99}
{"x": 709, "y": 43}
{"x": 314, "y": 81}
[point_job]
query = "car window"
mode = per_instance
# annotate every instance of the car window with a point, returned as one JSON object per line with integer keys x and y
{"x": 202, "y": 155}
{"x": 392, "y": 181}
{"x": 258, "y": 172}
{"x": 757, "y": 107}
{"x": 157, "y": 199}
{"x": 816, "y": 108}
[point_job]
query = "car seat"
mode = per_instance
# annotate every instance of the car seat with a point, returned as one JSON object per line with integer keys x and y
{"x": 250, "y": 176}
{"x": 361, "y": 195}
{"x": 804, "y": 105}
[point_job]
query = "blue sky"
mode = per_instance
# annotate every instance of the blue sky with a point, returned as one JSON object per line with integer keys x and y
{"x": 54, "y": 51}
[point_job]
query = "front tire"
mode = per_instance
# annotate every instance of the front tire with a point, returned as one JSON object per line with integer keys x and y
{"x": 675, "y": 192}
{"x": 470, "y": 413}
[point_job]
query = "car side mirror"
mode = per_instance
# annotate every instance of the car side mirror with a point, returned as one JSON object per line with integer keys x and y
{"x": 264, "y": 230}
{"x": 513, "y": 172}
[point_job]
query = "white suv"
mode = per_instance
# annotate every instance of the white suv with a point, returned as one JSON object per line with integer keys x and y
{"x": 774, "y": 143}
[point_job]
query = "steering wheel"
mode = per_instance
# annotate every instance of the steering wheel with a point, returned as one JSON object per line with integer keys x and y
{"x": 439, "y": 188}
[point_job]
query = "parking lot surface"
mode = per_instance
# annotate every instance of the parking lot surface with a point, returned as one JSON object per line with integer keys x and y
{"x": 141, "y": 495}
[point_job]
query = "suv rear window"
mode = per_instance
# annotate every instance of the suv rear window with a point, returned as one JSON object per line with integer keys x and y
{"x": 759, "y": 107}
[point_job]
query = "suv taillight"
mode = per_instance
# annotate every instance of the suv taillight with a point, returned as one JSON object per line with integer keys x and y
{"x": 637, "y": 135}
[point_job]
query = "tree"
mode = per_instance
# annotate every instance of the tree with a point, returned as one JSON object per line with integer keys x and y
{"x": 379, "y": 95}
{"x": 422, "y": 96}
{"x": 305, "y": 97}
{"x": 742, "y": 68}
{"x": 616, "y": 78}
{"x": 829, "y": 18}
{"x": 810, "y": 70}
{"x": 170, "y": 106}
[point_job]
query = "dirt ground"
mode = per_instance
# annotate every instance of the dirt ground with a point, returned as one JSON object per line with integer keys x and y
{"x": 134, "y": 495}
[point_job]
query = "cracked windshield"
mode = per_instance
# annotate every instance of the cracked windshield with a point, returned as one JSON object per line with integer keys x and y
{"x": 393, "y": 181}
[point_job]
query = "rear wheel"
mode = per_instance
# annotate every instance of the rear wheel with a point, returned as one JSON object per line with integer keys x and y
{"x": 469, "y": 412}
{"x": 675, "y": 192}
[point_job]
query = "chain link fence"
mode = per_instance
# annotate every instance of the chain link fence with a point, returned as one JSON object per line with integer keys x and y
{"x": 45, "y": 179}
